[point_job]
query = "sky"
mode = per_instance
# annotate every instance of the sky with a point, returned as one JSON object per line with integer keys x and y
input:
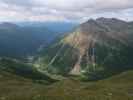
{"x": 64, "y": 10}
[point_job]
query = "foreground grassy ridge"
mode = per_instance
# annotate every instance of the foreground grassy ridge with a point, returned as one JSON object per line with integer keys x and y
{"x": 14, "y": 87}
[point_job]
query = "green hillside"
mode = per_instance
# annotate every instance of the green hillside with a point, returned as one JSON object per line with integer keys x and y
{"x": 23, "y": 70}
{"x": 13, "y": 87}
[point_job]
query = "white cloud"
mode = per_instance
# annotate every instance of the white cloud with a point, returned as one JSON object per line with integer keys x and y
{"x": 64, "y": 10}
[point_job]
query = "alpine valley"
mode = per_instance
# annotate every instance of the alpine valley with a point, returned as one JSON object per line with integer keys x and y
{"x": 67, "y": 61}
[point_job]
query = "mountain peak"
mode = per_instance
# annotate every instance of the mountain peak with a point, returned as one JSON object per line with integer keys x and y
{"x": 8, "y": 25}
{"x": 91, "y": 21}
{"x": 105, "y": 19}
{"x": 110, "y": 20}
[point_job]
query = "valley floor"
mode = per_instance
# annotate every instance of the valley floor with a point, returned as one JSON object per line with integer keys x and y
{"x": 118, "y": 87}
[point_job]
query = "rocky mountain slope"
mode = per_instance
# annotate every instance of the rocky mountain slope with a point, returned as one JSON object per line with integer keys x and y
{"x": 97, "y": 48}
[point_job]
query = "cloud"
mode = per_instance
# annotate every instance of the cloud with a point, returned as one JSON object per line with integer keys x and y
{"x": 64, "y": 10}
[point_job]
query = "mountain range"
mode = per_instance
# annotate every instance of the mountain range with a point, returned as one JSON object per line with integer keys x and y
{"x": 23, "y": 40}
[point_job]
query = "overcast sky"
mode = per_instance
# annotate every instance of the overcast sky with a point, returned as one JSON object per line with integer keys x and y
{"x": 64, "y": 10}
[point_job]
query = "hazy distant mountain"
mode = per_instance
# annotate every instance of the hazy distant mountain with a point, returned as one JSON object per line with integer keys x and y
{"x": 7, "y": 25}
{"x": 58, "y": 27}
{"x": 100, "y": 48}
{"x": 22, "y": 41}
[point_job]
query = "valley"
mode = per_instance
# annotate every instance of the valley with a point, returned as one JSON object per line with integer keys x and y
{"x": 91, "y": 62}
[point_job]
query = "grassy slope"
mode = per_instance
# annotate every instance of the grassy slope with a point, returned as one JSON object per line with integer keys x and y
{"x": 118, "y": 87}
{"x": 23, "y": 69}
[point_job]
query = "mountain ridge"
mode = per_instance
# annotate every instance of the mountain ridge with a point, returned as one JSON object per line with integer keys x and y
{"x": 92, "y": 42}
